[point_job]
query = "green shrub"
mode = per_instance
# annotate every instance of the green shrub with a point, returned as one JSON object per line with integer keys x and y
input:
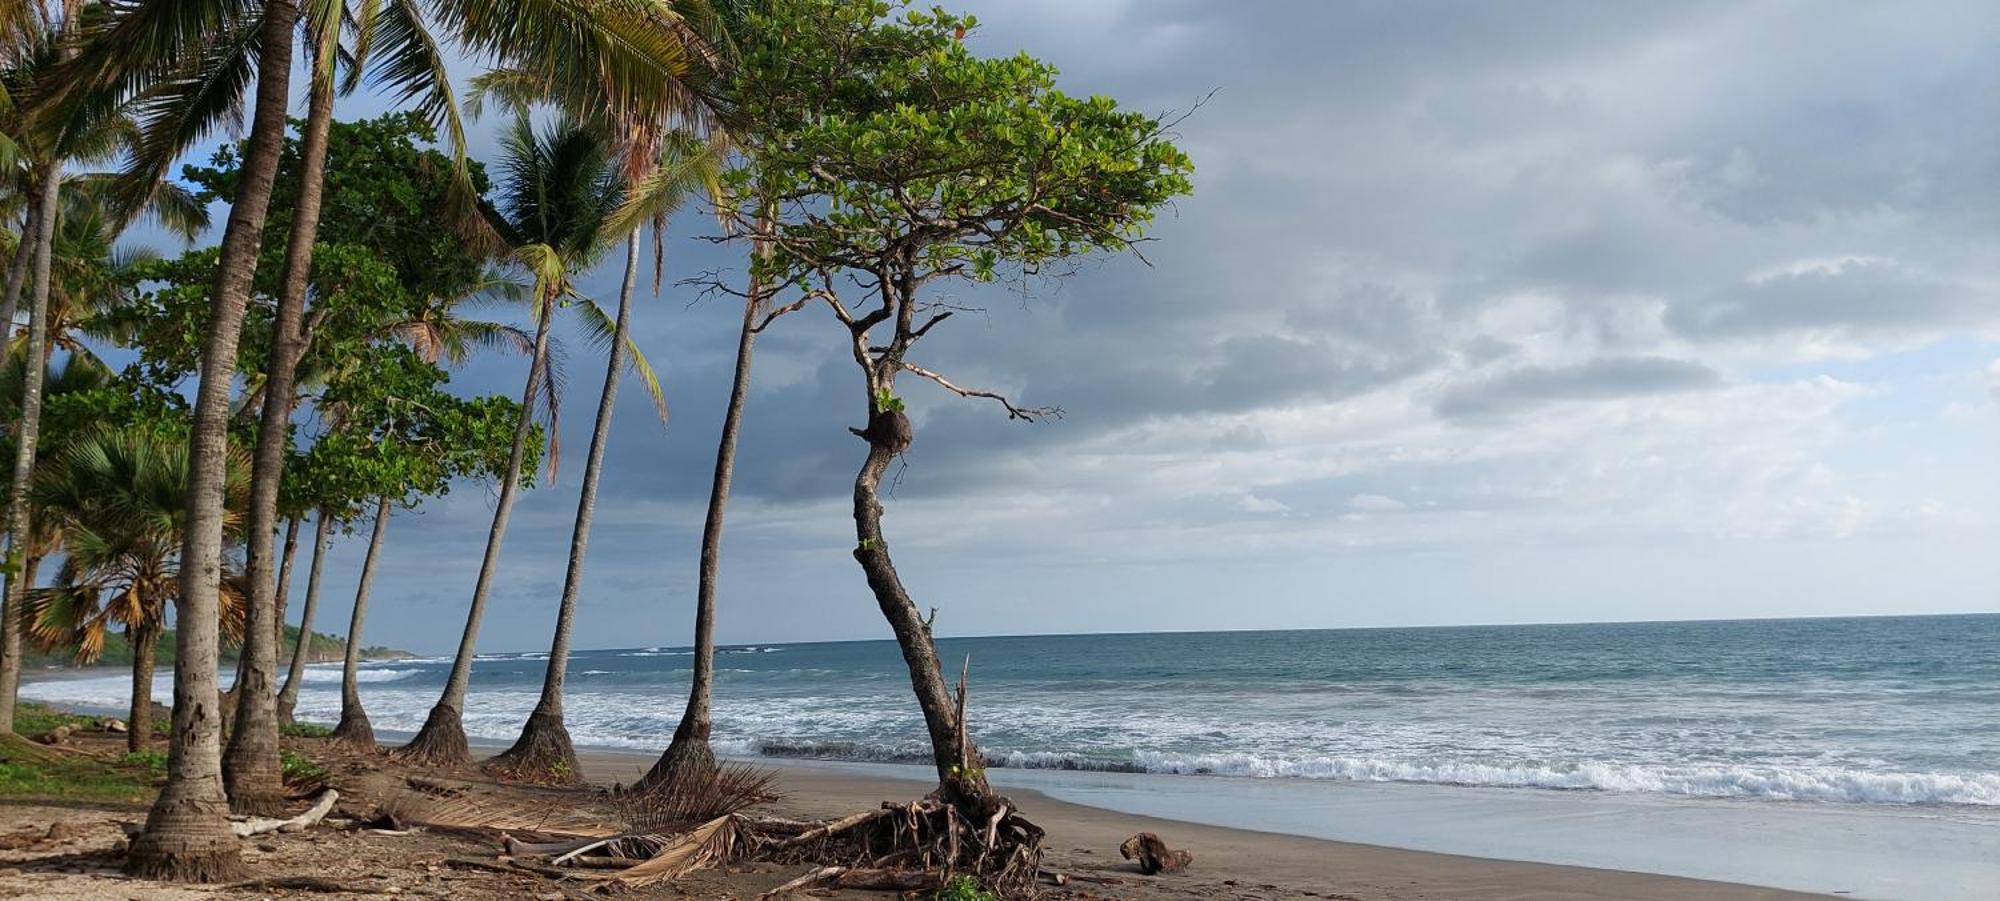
{"x": 964, "y": 888}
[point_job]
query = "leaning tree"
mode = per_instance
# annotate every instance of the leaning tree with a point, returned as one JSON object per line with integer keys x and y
{"x": 900, "y": 159}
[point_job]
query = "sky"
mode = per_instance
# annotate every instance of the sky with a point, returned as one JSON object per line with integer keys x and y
{"x": 1479, "y": 313}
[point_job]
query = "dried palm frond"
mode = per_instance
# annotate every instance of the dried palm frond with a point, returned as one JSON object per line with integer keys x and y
{"x": 487, "y": 813}
{"x": 715, "y": 842}
{"x": 731, "y": 789}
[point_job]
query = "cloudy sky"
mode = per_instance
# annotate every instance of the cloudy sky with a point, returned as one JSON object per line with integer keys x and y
{"x": 1479, "y": 313}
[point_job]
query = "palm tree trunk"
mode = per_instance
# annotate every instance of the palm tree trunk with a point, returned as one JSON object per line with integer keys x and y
{"x": 441, "y": 742}
{"x": 186, "y": 837}
{"x": 250, "y": 764}
{"x": 354, "y": 729}
{"x": 145, "y": 642}
{"x": 544, "y": 753}
{"x": 283, "y": 589}
{"x": 689, "y": 756}
{"x": 289, "y": 698}
{"x": 17, "y": 273}
{"x": 960, "y": 773}
{"x": 32, "y": 254}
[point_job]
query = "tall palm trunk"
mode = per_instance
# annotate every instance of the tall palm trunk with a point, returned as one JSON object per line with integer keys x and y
{"x": 186, "y": 836}
{"x": 289, "y": 697}
{"x": 543, "y": 752}
{"x": 27, "y": 435}
{"x": 283, "y": 589}
{"x": 354, "y": 729}
{"x": 250, "y": 764}
{"x": 960, "y": 773}
{"x": 11, "y": 659}
{"x": 24, "y": 258}
{"x": 441, "y": 742}
{"x": 689, "y": 757}
{"x": 145, "y": 642}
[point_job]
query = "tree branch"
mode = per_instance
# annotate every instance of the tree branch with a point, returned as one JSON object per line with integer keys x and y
{"x": 1029, "y": 414}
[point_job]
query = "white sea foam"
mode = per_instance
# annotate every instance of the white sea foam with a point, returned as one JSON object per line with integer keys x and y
{"x": 361, "y": 674}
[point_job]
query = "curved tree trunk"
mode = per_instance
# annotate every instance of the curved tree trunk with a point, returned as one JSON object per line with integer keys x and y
{"x": 186, "y": 836}
{"x": 441, "y": 742}
{"x": 145, "y": 642}
{"x": 289, "y": 698}
{"x": 689, "y": 757}
{"x": 354, "y": 729}
{"x": 32, "y": 254}
{"x": 544, "y": 753}
{"x": 250, "y": 768}
{"x": 960, "y": 772}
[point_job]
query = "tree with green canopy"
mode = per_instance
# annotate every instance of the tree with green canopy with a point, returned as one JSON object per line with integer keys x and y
{"x": 898, "y": 159}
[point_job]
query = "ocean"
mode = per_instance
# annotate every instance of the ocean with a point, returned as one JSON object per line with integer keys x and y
{"x": 1889, "y": 710}
{"x": 1764, "y": 719}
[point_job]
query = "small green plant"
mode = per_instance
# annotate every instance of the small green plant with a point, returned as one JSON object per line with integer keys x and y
{"x": 559, "y": 770}
{"x": 304, "y": 730}
{"x": 964, "y": 888}
{"x": 887, "y": 402}
{"x": 153, "y": 761}
{"x": 297, "y": 768}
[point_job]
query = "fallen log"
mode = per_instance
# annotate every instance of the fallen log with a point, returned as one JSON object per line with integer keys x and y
{"x": 839, "y": 825}
{"x": 261, "y": 825}
{"x": 863, "y": 878}
{"x": 1153, "y": 854}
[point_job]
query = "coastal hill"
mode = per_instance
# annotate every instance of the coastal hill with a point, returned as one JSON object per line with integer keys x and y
{"x": 117, "y": 652}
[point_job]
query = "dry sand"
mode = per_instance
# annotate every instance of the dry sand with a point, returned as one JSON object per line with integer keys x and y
{"x": 1229, "y": 863}
{"x": 1235, "y": 863}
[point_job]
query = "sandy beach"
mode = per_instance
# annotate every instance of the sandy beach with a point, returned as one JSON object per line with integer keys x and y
{"x": 1234, "y": 863}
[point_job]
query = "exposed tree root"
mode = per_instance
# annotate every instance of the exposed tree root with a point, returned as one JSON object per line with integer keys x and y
{"x": 440, "y": 743}
{"x": 542, "y": 755}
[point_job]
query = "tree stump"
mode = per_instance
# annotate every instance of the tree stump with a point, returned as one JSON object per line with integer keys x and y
{"x": 1153, "y": 854}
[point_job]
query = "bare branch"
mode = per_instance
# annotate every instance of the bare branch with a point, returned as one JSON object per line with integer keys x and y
{"x": 1029, "y": 414}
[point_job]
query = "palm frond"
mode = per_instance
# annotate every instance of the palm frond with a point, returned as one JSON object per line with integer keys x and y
{"x": 601, "y": 329}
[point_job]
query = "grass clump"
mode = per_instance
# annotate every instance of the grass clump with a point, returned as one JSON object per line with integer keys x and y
{"x": 304, "y": 730}
{"x": 82, "y": 777}
{"x": 31, "y": 718}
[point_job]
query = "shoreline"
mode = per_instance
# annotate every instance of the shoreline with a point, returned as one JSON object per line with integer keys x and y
{"x": 1084, "y": 838}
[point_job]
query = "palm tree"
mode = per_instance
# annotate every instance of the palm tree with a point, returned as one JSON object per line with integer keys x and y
{"x": 250, "y": 767}
{"x": 556, "y": 190}
{"x": 353, "y": 729}
{"x": 661, "y": 174}
{"x": 193, "y": 59}
{"x": 689, "y": 757}
{"x": 288, "y": 697}
{"x": 119, "y": 501}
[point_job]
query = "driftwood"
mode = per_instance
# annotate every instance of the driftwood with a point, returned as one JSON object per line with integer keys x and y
{"x": 261, "y": 825}
{"x": 1153, "y": 854}
{"x": 300, "y": 884}
{"x": 58, "y": 735}
{"x": 864, "y": 878}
